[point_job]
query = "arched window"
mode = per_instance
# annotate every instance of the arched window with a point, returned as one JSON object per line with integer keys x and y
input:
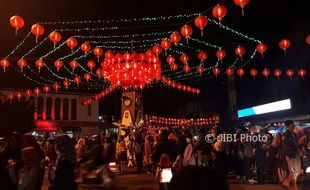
{"x": 40, "y": 107}
{"x": 49, "y": 103}
{"x": 65, "y": 109}
{"x": 73, "y": 109}
{"x": 57, "y": 108}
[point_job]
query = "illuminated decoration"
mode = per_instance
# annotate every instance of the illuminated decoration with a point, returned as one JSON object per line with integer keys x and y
{"x": 91, "y": 64}
{"x": 261, "y": 48}
{"x": 184, "y": 58}
{"x": 99, "y": 95}
{"x": 240, "y": 72}
{"x": 186, "y": 31}
{"x": 133, "y": 71}
{"x": 213, "y": 120}
{"x": 165, "y": 44}
{"x": 290, "y": 73}
{"x": 37, "y": 30}
{"x": 77, "y": 80}
{"x": 66, "y": 83}
{"x": 74, "y": 64}
{"x": 22, "y": 63}
{"x": 56, "y": 86}
{"x": 58, "y": 64}
{"x": 46, "y": 89}
{"x": 200, "y": 69}
{"x": 19, "y": 95}
{"x": 17, "y": 22}
{"x": 201, "y": 22}
{"x": 40, "y": 63}
{"x": 173, "y": 66}
{"x": 202, "y": 56}
{"x": 157, "y": 49}
{"x": 98, "y": 73}
{"x": 240, "y": 51}
{"x": 253, "y": 72}
{"x": 170, "y": 59}
{"x": 55, "y": 37}
{"x": 277, "y": 73}
{"x": 241, "y": 3}
{"x": 85, "y": 47}
{"x": 284, "y": 44}
{"x": 28, "y": 93}
{"x": 98, "y": 52}
{"x": 265, "y": 108}
{"x": 4, "y": 64}
{"x": 266, "y": 72}
{"x": 302, "y": 73}
{"x": 220, "y": 54}
{"x": 11, "y": 96}
{"x": 229, "y": 72}
{"x": 307, "y": 39}
{"x": 71, "y": 43}
{"x": 219, "y": 12}
{"x": 87, "y": 76}
{"x": 186, "y": 68}
{"x": 37, "y": 91}
{"x": 179, "y": 86}
{"x": 216, "y": 71}
{"x": 175, "y": 38}
{"x": 46, "y": 126}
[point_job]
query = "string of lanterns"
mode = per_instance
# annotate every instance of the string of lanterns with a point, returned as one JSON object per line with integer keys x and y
{"x": 182, "y": 121}
{"x": 179, "y": 86}
{"x": 99, "y": 95}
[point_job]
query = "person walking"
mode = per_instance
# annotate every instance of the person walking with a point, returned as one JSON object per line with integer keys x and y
{"x": 148, "y": 151}
{"x": 164, "y": 172}
{"x": 189, "y": 157}
{"x": 121, "y": 155}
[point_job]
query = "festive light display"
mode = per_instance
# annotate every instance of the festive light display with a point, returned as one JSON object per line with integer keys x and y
{"x": 307, "y": 39}
{"x": 175, "y": 38}
{"x": 240, "y": 51}
{"x": 55, "y": 37}
{"x": 219, "y": 12}
{"x": 241, "y": 3}
{"x": 37, "y": 30}
{"x": 4, "y": 64}
{"x": 99, "y": 95}
{"x": 201, "y": 22}
{"x": 186, "y": 31}
{"x": 17, "y": 22}
{"x": 22, "y": 63}
{"x": 284, "y": 44}
{"x": 213, "y": 120}
{"x": 261, "y": 48}
{"x": 179, "y": 86}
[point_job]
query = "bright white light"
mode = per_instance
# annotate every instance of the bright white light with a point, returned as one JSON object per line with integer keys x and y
{"x": 273, "y": 107}
{"x": 308, "y": 170}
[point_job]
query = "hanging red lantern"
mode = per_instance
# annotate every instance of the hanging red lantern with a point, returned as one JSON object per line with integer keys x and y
{"x": 109, "y": 55}
{"x": 220, "y": 54}
{"x": 157, "y": 49}
{"x": 175, "y": 38}
{"x": 277, "y": 73}
{"x": 85, "y": 47}
{"x": 77, "y": 80}
{"x": 302, "y": 73}
{"x": 253, "y": 72}
{"x": 173, "y": 66}
{"x": 216, "y": 71}
{"x": 58, "y": 64}
{"x": 186, "y": 68}
{"x": 91, "y": 64}
{"x": 201, "y": 22}
{"x": 28, "y": 93}
{"x": 98, "y": 72}
{"x": 307, "y": 39}
{"x": 56, "y": 86}
{"x": 170, "y": 59}
{"x": 219, "y": 12}
{"x": 200, "y": 69}
{"x": 22, "y": 63}
{"x": 241, "y": 3}
{"x": 37, "y": 30}
{"x": 240, "y": 72}
{"x": 11, "y": 96}
{"x": 266, "y": 72}
{"x": 184, "y": 58}
{"x": 40, "y": 63}
{"x": 202, "y": 55}
{"x": 71, "y": 43}
{"x": 240, "y": 51}
{"x": 284, "y": 44}
{"x": 186, "y": 31}
{"x": 37, "y": 91}
{"x": 229, "y": 72}
{"x": 17, "y": 22}
{"x": 290, "y": 73}
{"x": 166, "y": 44}
{"x": 74, "y": 64}
{"x": 46, "y": 89}
{"x": 66, "y": 84}
{"x": 261, "y": 48}
{"x": 98, "y": 52}
{"x": 55, "y": 37}
{"x": 87, "y": 76}
{"x": 19, "y": 95}
{"x": 4, "y": 64}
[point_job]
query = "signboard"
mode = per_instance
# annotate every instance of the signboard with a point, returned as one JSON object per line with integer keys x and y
{"x": 127, "y": 120}
{"x": 46, "y": 126}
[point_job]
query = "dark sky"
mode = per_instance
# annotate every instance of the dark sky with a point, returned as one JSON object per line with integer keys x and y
{"x": 266, "y": 20}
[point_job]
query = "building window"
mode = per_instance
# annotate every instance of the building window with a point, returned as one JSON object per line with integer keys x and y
{"x": 57, "y": 108}
{"x": 49, "y": 103}
{"x": 89, "y": 110}
{"x": 65, "y": 109}
{"x": 73, "y": 109}
{"x": 40, "y": 107}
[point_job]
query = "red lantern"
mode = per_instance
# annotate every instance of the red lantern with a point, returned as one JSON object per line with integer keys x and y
{"x": 241, "y": 3}
{"x": 28, "y": 93}
{"x": 22, "y": 63}
{"x": 186, "y": 31}
{"x": 66, "y": 83}
{"x": 46, "y": 89}
{"x": 85, "y": 47}
{"x": 109, "y": 55}
{"x": 157, "y": 49}
{"x": 186, "y": 68}
{"x": 229, "y": 72}
{"x": 175, "y": 38}
{"x": 98, "y": 52}
{"x": 200, "y": 69}
{"x": 240, "y": 72}
{"x": 277, "y": 73}
{"x": 184, "y": 58}
{"x": 40, "y": 63}
{"x": 173, "y": 66}
{"x": 216, "y": 71}
{"x": 91, "y": 64}
{"x": 302, "y": 73}
{"x": 4, "y": 64}
{"x": 201, "y": 22}
{"x": 290, "y": 73}
{"x": 19, "y": 95}
{"x": 87, "y": 76}
{"x": 284, "y": 44}
{"x": 166, "y": 44}
{"x": 240, "y": 51}
{"x": 37, "y": 30}
{"x": 220, "y": 54}
{"x": 253, "y": 72}
{"x": 55, "y": 37}
{"x": 261, "y": 48}
{"x": 307, "y": 39}
{"x": 266, "y": 72}
{"x": 37, "y": 91}
{"x": 58, "y": 64}
{"x": 74, "y": 64}
{"x": 202, "y": 55}
{"x": 219, "y": 12}
{"x": 16, "y": 22}
{"x": 77, "y": 80}
{"x": 71, "y": 43}
{"x": 170, "y": 59}
{"x": 11, "y": 96}
{"x": 56, "y": 86}
{"x": 98, "y": 73}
